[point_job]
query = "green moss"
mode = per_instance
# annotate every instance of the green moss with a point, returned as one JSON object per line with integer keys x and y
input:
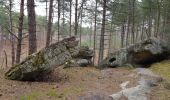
{"x": 13, "y": 73}
{"x": 162, "y": 68}
{"x": 32, "y": 96}
{"x": 38, "y": 59}
{"x": 54, "y": 93}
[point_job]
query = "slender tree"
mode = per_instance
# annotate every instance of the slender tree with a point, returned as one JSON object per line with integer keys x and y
{"x": 70, "y": 16}
{"x": 101, "y": 50}
{"x": 11, "y": 31}
{"x": 95, "y": 29}
{"x": 31, "y": 26}
{"x": 76, "y": 15}
{"x": 49, "y": 23}
{"x": 58, "y": 20}
{"x": 20, "y": 28}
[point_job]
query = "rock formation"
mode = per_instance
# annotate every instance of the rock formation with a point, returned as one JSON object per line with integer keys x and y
{"x": 44, "y": 61}
{"x": 82, "y": 59}
{"x": 142, "y": 53}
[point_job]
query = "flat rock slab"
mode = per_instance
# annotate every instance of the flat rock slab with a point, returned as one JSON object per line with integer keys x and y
{"x": 43, "y": 61}
{"x": 147, "y": 79}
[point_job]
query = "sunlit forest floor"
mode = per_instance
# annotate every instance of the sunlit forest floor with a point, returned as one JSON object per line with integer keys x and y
{"x": 73, "y": 83}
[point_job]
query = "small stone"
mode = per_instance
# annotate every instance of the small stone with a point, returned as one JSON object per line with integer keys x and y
{"x": 100, "y": 77}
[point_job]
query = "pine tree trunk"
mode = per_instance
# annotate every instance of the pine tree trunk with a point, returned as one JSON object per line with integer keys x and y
{"x": 20, "y": 28}
{"x": 49, "y": 23}
{"x": 58, "y": 20}
{"x": 95, "y": 28}
{"x": 122, "y": 35}
{"x": 12, "y": 40}
{"x": 101, "y": 50}
{"x": 70, "y": 16}
{"x": 81, "y": 20}
{"x": 76, "y": 22}
{"x": 31, "y": 26}
{"x": 133, "y": 21}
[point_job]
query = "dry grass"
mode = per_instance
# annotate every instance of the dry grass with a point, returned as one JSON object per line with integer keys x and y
{"x": 162, "y": 92}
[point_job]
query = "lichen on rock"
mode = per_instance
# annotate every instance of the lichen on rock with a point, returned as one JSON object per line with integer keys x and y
{"x": 142, "y": 53}
{"x": 42, "y": 62}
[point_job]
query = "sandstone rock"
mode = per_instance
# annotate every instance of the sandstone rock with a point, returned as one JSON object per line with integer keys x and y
{"x": 142, "y": 53}
{"x": 96, "y": 96}
{"x": 147, "y": 79}
{"x": 43, "y": 61}
{"x": 82, "y": 57}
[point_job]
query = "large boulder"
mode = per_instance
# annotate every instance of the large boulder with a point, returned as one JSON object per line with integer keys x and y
{"x": 142, "y": 53}
{"x": 82, "y": 57}
{"x": 43, "y": 61}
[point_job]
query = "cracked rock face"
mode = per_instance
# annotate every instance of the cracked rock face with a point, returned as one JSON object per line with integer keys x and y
{"x": 142, "y": 53}
{"x": 43, "y": 61}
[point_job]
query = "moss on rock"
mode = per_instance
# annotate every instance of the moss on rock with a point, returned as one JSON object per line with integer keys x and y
{"x": 38, "y": 60}
{"x": 14, "y": 72}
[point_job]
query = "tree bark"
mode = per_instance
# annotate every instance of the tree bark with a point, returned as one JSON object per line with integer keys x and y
{"x": 101, "y": 50}
{"x": 49, "y": 23}
{"x": 95, "y": 28}
{"x": 12, "y": 40}
{"x": 122, "y": 35}
{"x": 31, "y": 27}
{"x": 70, "y": 16}
{"x": 76, "y": 22}
{"x": 20, "y": 28}
{"x": 58, "y": 20}
{"x": 133, "y": 21}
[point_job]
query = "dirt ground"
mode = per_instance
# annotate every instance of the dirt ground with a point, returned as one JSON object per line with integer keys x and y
{"x": 66, "y": 84}
{"x": 71, "y": 83}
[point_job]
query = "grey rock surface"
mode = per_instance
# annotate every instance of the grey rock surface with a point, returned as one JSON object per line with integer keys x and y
{"x": 43, "y": 61}
{"x": 142, "y": 53}
{"x": 81, "y": 58}
{"x": 147, "y": 79}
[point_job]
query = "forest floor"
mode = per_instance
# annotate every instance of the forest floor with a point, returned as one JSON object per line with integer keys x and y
{"x": 73, "y": 83}
{"x": 67, "y": 84}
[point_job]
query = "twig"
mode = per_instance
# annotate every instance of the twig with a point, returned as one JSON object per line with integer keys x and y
{"x": 6, "y": 59}
{"x": 2, "y": 63}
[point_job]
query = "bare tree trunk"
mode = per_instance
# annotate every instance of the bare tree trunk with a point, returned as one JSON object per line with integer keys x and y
{"x": 91, "y": 32}
{"x": 20, "y": 28}
{"x": 58, "y": 20}
{"x": 158, "y": 19}
{"x": 122, "y": 35}
{"x": 95, "y": 28}
{"x": 76, "y": 22}
{"x": 12, "y": 40}
{"x": 63, "y": 17}
{"x": 49, "y": 23}
{"x": 128, "y": 24}
{"x": 101, "y": 50}
{"x": 150, "y": 24}
{"x": 70, "y": 15}
{"x": 31, "y": 26}
{"x": 142, "y": 34}
{"x": 133, "y": 21}
{"x": 81, "y": 19}
{"x": 110, "y": 36}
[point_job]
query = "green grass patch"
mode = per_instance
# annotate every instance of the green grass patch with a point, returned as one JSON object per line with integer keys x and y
{"x": 162, "y": 68}
{"x": 31, "y": 96}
